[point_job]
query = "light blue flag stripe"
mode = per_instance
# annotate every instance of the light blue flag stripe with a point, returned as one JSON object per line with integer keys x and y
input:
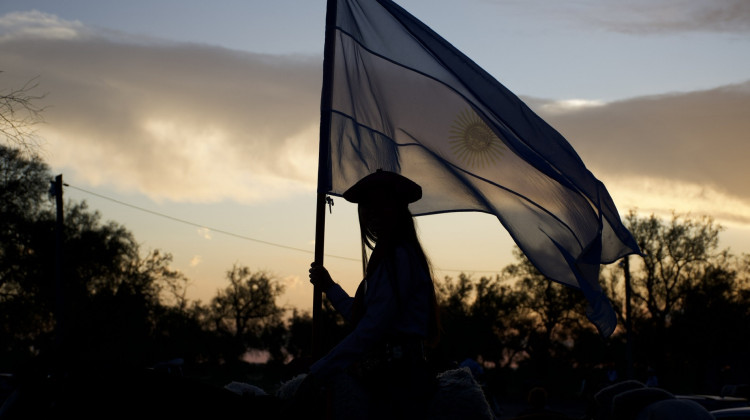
{"x": 405, "y": 100}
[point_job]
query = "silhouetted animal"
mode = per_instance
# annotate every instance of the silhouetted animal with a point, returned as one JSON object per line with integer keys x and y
{"x": 459, "y": 396}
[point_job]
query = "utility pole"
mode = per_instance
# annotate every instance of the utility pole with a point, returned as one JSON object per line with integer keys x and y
{"x": 628, "y": 319}
{"x": 60, "y": 310}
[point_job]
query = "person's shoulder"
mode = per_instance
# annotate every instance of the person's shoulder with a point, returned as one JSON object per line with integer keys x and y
{"x": 404, "y": 251}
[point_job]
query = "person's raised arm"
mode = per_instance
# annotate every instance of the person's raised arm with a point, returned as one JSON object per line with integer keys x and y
{"x": 338, "y": 296}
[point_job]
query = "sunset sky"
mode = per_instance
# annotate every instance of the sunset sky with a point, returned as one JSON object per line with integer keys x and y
{"x": 206, "y": 115}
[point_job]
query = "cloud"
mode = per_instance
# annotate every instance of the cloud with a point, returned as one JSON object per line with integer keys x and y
{"x": 182, "y": 122}
{"x": 197, "y": 259}
{"x": 564, "y": 106}
{"x": 36, "y": 24}
{"x": 205, "y": 233}
{"x": 661, "y": 196}
{"x": 684, "y": 151}
{"x": 195, "y": 123}
{"x": 292, "y": 281}
{"x": 641, "y": 16}
{"x": 663, "y": 16}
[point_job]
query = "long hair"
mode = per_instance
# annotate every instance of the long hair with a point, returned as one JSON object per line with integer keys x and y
{"x": 401, "y": 230}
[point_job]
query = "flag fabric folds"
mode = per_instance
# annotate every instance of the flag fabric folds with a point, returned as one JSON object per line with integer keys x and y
{"x": 404, "y": 100}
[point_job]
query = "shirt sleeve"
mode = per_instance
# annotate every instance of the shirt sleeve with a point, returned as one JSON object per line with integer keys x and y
{"x": 378, "y": 320}
{"x": 340, "y": 300}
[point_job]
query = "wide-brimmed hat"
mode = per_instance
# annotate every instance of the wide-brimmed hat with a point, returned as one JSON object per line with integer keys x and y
{"x": 384, "y": 186}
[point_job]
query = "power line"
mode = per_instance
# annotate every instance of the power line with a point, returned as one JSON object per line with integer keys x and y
{"x": 247, "y": 238}
{"x": 187, "y": 222}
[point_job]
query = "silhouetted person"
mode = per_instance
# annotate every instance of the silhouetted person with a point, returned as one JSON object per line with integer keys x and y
{"x": 394, "y": 311}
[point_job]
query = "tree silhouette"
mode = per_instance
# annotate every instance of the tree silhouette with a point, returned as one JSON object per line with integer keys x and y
{"x": 246, "y": 309}
{"x": 690, "y": 302}
{"x": 675, "y": 253}
{"x": 112, "y": 293}
{"x": 126, "y": 306}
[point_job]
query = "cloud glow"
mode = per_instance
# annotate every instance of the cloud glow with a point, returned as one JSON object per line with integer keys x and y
{"x": 675, "y": 149}
{"x": 662, "y": 196}
{"x": 201, "y": 124}
{"x": 205, "y": 233}
{"x": 569, "y": 105}
{"x": 195, "y": 260}
{"x": 668, "y": 16}
{"x": 176, "y": 122}
{"x": 36, "y": 24}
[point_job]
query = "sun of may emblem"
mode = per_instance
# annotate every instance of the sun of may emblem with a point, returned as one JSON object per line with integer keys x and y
{"x": 473, "y": 141}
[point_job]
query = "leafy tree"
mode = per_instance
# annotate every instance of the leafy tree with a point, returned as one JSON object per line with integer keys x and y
{"x": 674, "y": 255}
{"x": 689, "y": 300}
{"x": 554, "y": 308}
{"x": 246, "y": 309}
{"x": 111, "y": 294}
{"x": 299, "y": 335}
{"x": 478, "y": 320}
{"x": 24, "y": 216}
{"x": 299, "y": 339}
{"x": 691, "y": 306}
{"x": 550, "y": 324}
{"x": 708, "y": 333}
{"x": 493, "y": 310}
{"x": 457, "y": 342}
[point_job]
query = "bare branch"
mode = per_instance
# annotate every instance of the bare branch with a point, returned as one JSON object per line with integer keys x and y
{"x": 19, "y": 114}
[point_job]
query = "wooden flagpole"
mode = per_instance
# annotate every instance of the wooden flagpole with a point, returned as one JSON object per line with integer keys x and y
{"x": 324, "y": 180}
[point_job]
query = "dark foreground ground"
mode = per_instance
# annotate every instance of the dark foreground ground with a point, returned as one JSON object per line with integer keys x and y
{"x": 153, "y": 393}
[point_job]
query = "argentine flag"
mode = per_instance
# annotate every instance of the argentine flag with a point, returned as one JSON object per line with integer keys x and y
{"x": 404, "y": 100}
